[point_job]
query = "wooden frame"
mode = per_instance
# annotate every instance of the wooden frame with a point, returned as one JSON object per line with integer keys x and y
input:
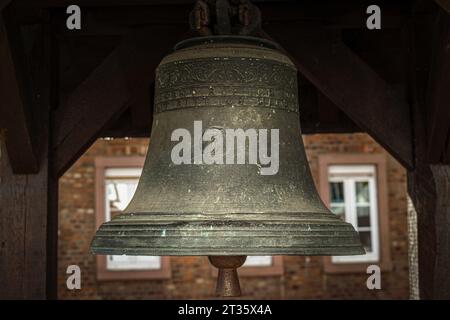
{"x": 101, "y": 163}
{"x": 369, "y": 91}
{"x": 379, "y": 160}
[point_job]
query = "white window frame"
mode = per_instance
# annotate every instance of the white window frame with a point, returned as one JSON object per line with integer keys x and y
{"x": 123, "y": 262}
{"x": 349, "y": 175}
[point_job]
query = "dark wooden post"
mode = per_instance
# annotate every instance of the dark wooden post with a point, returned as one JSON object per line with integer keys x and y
{"x": 23, "y": 231}
{"x": 429, "y": 188}
{"x": 28, "y": 192}
{"x": 429, "y": 181}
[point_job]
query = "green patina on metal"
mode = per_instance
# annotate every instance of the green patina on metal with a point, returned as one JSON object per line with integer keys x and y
{"x": 226, "y": 210}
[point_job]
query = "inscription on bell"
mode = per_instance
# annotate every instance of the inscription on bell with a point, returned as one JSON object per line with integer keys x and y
{"x": 238, "y": 82}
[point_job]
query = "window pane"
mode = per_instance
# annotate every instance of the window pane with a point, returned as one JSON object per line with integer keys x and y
{"x": 362, "y": 192}
{"x": 352, "y": 192}
{"x": 339, "y": 211}
{"x": 337, "y": 192}
{"x": 366, "y": 240}
{"x": 119, "y": 192}
{"x": 133, "y": 263}
{"x": 363, "y": 213}
{"x": 258, "y": 261}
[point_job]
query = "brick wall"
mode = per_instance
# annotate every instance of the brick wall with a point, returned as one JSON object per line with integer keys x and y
{"x": 303, "y": 277}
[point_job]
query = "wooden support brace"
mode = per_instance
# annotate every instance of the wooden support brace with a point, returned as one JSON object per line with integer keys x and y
{"x": 374, "y": 105}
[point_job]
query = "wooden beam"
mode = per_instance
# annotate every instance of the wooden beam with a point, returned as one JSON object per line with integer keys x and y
{"x": 23, "y": 214}
{"x": 447, "y": 152}
{"x": 15, "y": 114}
{"x": 327, "y": 111}
{"x": 97, "y": 3}
{"x": 78, "y": 57}
{"x": 4, "y": 3}
{"x": 444, "y": 4}
{"x": 142, "y": 108}
{"x": 428, "y": 185}
{"x": 438, "y": 119}
{"x": 109, "y": 90}
{"x": 331, "y": 15}
{"x": 352, "y": 85}
{"x": 441, "y": 175}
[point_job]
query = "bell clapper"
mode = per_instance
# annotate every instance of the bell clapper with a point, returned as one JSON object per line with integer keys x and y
{"x": 227, "y": 279}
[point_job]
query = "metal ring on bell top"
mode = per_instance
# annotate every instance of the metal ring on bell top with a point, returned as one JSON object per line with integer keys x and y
{"x": 227, "y": 39}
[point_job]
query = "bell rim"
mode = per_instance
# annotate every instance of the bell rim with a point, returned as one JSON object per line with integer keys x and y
{"x": 327, "y": 252}
{"x": 328, "y": 236}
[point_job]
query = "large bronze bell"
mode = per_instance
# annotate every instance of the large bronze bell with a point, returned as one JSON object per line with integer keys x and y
{"x": 213, "y": 207}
